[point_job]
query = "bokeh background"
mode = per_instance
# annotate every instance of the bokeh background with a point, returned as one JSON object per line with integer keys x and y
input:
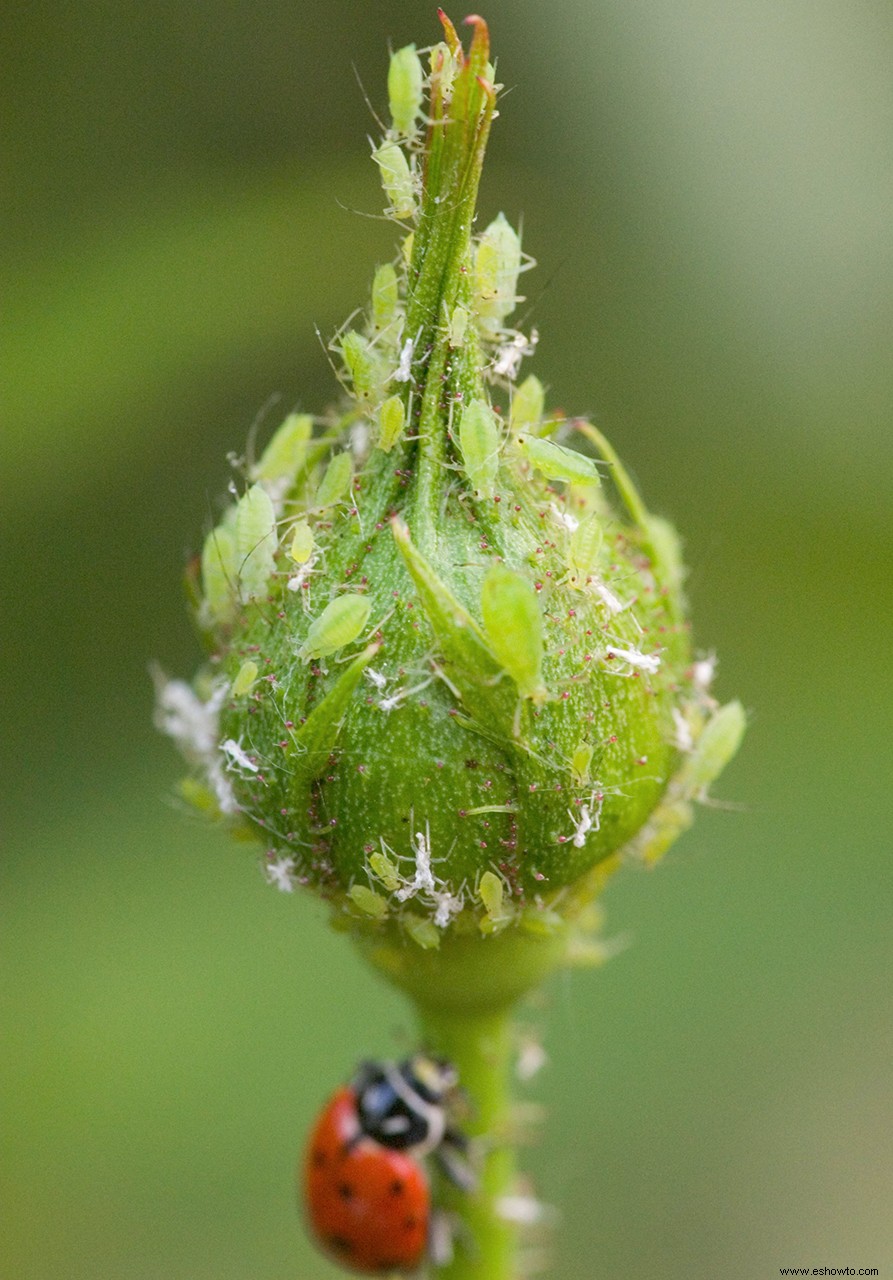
{"x": 707, "y": 188}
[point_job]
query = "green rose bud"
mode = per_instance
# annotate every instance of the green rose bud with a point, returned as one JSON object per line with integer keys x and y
{"x": 451, "y": 677}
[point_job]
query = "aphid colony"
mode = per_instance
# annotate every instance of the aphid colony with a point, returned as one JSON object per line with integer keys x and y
{"x": 450, "y": 676}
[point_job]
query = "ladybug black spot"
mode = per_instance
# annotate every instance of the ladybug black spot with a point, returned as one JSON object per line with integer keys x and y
{"x": 410, "y": 1223}
{"x": 319, "y": 1159}
{"x": 397, "y": 1188}
{"x": 345, "y": 1190}
{"x": 340, "y": 1244}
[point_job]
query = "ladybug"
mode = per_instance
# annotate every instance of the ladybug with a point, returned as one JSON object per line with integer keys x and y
{"x": 366, "y": 1191}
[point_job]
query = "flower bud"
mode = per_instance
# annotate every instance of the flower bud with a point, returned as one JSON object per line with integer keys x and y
{"x": 451, "y": 674}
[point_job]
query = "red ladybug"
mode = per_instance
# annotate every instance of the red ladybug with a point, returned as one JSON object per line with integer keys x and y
{"x": 366, "y": 1190}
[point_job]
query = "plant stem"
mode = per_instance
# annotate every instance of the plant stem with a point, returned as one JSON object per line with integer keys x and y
{"x": 480, "y": 1045}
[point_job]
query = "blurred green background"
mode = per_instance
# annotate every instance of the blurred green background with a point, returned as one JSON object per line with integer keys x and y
{"x": 707, "y": 188}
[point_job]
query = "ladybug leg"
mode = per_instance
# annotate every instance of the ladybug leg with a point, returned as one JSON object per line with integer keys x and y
{"x": 441, "y": 1238}
{"x": 452, "y": 1160}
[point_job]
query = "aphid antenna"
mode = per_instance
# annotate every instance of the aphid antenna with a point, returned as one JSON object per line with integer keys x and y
{"x": 272, "y": 399}
{"x": 373, "y": 113}
{"x": 326, "y": 352}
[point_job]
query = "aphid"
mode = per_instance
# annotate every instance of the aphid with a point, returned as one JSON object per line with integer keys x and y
{"x": 391, "y": 420}
{"x": 583, "y": 550}
{"x": 396, "y": 178}
{"x": 581, "y": 762}
{"x": 406, "y": 81}
{"x": 667, "y": 550}
{"x": 403, "y": 372}
{"x": 492, "y": 894}
{"x": 717, "y": 744}
{"x": 336, "y": 480}
{"x": 363, "y": 365}
{"x": 219, "y": 572}
{"x": 424, "y": 932}
{"x": 255, "y": 540}
{"x": 479, "y": 441}
{"x": 510, "y": 354}
{"x": 423, "y": 880}
{"x": 385, "y": 870}
{"x": 556, "y": 462}
{"x": 513, "y": 624}
{"x": 648, "y": 662}
{"x": 302, "y": 542}
{"x": 366, "y": 1190}
{"x": 683, "y": 739}
{"x": 586, "y": 821}
{"x": 284, "y": 456}
{"x": 246, "y": 677}
{"x": 528, "y": 404}
{"x": 611, "y": 602}
{"x": 497, "y": 264}
{"x": 338, "y": 625}
{"x": 385, "y": 297}
{"x": 368, "y": 901}
{"x": 702, "y": 674}
{"x": 458, "y": 326}
{"x": 281, "y": 874}
{"x": 237, "y": 758}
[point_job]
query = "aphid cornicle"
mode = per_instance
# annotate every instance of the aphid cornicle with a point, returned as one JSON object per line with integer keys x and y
{"x": 365, "y": 1188}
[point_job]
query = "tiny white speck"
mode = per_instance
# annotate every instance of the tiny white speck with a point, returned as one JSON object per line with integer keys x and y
{"x": 281, "y": 874}
{"x": 403, "y": 371}
{"x": 649, "y": 662}
{"x": 608, "y": 598}
{"x": 236, "y": 756}
{"x": 684, "y": 740}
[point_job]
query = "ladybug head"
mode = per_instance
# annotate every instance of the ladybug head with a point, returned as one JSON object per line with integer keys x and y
{"x": 402, "y": 1105}
{"x": 431, "y": 1078}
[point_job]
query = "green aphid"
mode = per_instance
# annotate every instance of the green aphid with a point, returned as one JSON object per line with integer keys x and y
{"x": 423, "y": 932}
{"x": 284, "y": 455}
{"x": 556, "y": 462}
{"x": 581, "y": 763}
{"x": 385, "y": 870}
{"x": 302, "y": 543}
{"x": 245, "y": 679}
{"x": 256, "y": 540}
{"x": 497, "y": 264}
{"x": 391, "y": 421}
{"x": 338, "y": 625}
{"x": 396, "y": 178}
{"x": 368, "y": 901}
{"x": 528, "y": 404}
{"x": 667, "y": 550}
{"x": 479, "y": 442}
{"x": 492, "y": 894}
{"x": 719, "y": 740}
{"x": 385, "y": 297}
{"x": 406, "y": 82}
{"x": 583, "y": 549}
{"x": 336, "y": 481}
{"x": 513, "y": 623}
{"x": 363, "y": 365}
{"x": 219, "y": 573}
{"x": 458, "y": 326}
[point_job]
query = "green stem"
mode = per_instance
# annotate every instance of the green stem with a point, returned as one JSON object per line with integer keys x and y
{"x": 465, "y": 992}
{"x": 480, "y": 1046}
